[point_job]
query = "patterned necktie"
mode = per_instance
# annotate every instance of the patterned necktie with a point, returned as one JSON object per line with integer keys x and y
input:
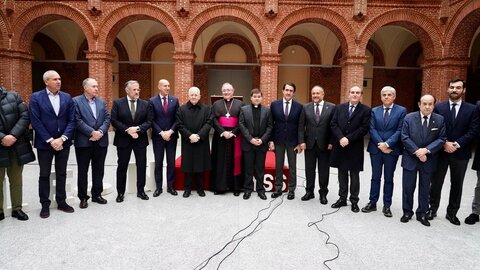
{"x": 165, "y": 104}
{"x": 386, "y": 115}
{"x": 454, "y": 111}
{"x": 425, "y": 126}
{"x": 350, "y": 112}
{"x": 317, "y": 112}
{"x": 286, "y": 109}
{"x": 132, "y": 108}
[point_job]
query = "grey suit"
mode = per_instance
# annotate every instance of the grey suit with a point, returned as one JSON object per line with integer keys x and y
{"x": 317, "y": 138}
{"x": 255, "y": 155}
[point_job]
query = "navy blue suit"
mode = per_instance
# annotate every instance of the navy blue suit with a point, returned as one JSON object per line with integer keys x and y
{"x": 462, "y": 130}
{"x": 164, "y": 121}
{"x": 413, "y": 138}
{"x": 47, "y": 124}
{"x": 88, "y": 151}
{"x": 388, "y": 132}
{"x": 287, "y": 133}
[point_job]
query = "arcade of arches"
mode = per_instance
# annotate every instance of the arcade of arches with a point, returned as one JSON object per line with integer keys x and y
{"x": 415, "y": 47}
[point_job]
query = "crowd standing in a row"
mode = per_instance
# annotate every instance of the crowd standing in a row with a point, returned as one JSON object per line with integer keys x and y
{"x": 435, "y": 138}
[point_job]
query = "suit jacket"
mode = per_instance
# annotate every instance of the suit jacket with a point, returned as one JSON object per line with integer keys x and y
{"x": 354, "y": 128}
{"x": 289, "y": 131}
{"x": 386, "y": 132}
{"x": 463, "y": 129}
{"x": 246, "y": 127}
{"x": 46, "y": 123}
{"x": 122, "y": 119}
{"x": 413, "y": 139}
{"x": 163, "y": 121}
{"x": 318, "y": 132}
{"x": 86, "y": 123}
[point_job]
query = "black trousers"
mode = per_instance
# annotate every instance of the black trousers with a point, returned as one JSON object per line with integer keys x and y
{"x": 85, "y": 155}
{"x": 254, "y": 165}
{"x": 191, "y": 178}
{"x": 123, "y": 160}
{"x": 280, "y": 150}
{"x": 45, "y": 159}
{"x": 354, "y": 185}
{"x": 457, "y": 175}
{"x": 317, "y": 159}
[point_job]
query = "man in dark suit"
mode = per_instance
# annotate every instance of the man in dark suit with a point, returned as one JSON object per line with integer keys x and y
{"x": 318, "y": 115}
{"x": 164, "y": 135}
{"x": 256, "y": 126}
{"x": 287, "y": 136}
{"x": 52, "y": 116}
{"x": 349, "y": 125}
{"x": 91, "y": 141}
{"x": 384, "y": 148}
{"x": 423, "y": 135}
{"x": 461, "y": 122}
{"x": 131, "y": 119}
{"x": 474, "y": 217}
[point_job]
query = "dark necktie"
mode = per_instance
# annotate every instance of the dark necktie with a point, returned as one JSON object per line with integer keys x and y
{"x": 286, "y": 109}
{"x": 350, "y": 112}
{"x": 425, "y": 126}
{"x": 132, "y": 108}
{"x": 386, "y": 115}
{"x": 317, "y": 112}
{"x": 165, "y": 104}
{"x": 454, "y": 111}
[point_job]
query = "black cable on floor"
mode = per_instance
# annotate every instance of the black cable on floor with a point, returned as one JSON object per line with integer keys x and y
{"x": 239, "y": 240}
{"x": 327, "y": 241}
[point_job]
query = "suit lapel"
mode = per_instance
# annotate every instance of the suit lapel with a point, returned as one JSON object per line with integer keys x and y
{"x": 46, "y": 100}
{"x": 87, "y": 105}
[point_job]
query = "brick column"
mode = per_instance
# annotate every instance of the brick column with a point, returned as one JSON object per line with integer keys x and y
{"x": 100, "y": 69}
{"x": 352, "y": 74}
{"x": 184, "y": 75}
{"x": 269, "y": 76}
{"x": 437, "y": 73}
{"x": 16, "y": 71}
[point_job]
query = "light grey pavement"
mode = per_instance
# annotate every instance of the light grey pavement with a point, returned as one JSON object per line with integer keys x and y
{"x": 176, "y": 233}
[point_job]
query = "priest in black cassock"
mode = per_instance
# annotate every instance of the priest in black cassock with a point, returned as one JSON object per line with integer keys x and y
{"x": 193, "y": 123}
{"x": 227, "y": 173}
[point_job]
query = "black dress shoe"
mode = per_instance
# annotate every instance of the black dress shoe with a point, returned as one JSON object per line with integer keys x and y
{"x": 386, "y": 212}
{"x": 355, "y": 208}
{"x": 201, "y": 193}
{"x": 472, "y": 219}
{"x": 276, "y": 194}
{"x": 323, "y": 199}
{"x": 83, "y": 203}
{"x": 262, "y": 195}
{"x": 431, "y": 214}
{"x": 405, "y": 218}
{"x": 308, "y": 196}
{"x": 339, "y": 203}
{"x": 2, "y": 216}
{"x": 142, "y": 196}
{"x": 369, "y": 208}
{"x": 236, "y": 193}
{"x": 157, "y": 192}
{"x": 65, "y": 208}
{"x": 453, "y": 219}
{"x": 246, "y": 195}
{"x": 19, "y": 214}
{"x": 423, "y": 220}
{"x": 186, "y": 193}
{"x": 120, "y": 198}
{"x": 172, "y": 191}
{"x": 291, "y": 195}
{"x": 45, "y": 212}
{"x": 99, "y": 200}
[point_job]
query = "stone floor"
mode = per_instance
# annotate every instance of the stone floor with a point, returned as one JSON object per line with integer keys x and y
{"x": 170, "y": 232}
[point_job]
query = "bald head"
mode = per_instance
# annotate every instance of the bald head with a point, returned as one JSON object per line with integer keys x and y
{"x": 163, "y": 87}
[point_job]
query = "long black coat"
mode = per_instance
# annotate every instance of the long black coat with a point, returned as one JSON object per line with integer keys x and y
{"x": 194, "y": 119}
{"x": 14, "y": 120}
{"x": 354, "y": 128}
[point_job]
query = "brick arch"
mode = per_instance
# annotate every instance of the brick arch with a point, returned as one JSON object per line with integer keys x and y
{"x": 306, "y": 43}
{"x": 34, "y": 18}
{"x": 420, "y": 25}
{"x": 224, "y": 39}
{"x": 222, "y": 13}
{"x": 50, "y": 47}
{"x": 152, "y": 43}
{"x": 122, "y": 51}
{"x": 461, "y": 30}
{"x": 328, "y": 18}
{"x": 375, "y": 50}
{"x": 5, "y": 30}
{"x": 134, "y": 12}
{"x": 410, "y": 55}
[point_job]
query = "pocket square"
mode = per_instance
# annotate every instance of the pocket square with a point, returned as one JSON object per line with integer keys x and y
{"x": 434, "y": 129}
